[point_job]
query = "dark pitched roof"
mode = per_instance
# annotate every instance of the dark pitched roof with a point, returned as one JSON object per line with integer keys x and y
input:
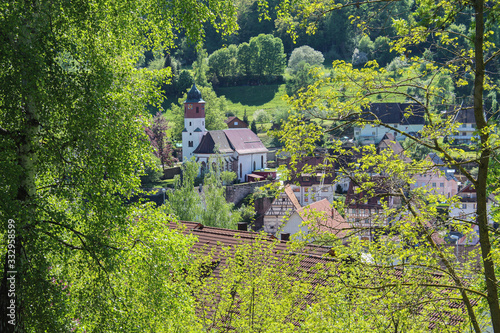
{"x": 194, "y": 95}
{"x": 211, "y": 140}
{"x": 396, "y": 113}
{"x": 449, "y": 173}
{"x": 229, "y": 119}
{"x": 465, "y": 115}
{"x": 244, "y": 141}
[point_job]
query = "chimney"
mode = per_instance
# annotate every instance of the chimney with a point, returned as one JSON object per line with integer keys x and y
{"x": 242, "y": 226}
{"x": 285, "y": 236}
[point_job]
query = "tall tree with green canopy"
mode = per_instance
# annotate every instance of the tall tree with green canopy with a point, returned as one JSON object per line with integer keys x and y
{"x": 72, "y": 117}
{"x": 345, "y": 96}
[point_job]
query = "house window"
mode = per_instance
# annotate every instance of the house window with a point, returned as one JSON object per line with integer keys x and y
{"x": 433, "y": 184}
{"x": 306, "y": 199}
{"x": 441, "y": 184}
{"x": 197, "y": 109}
{"x": 254, "y": 165}
{"x": 296, "y": 189}
{"x": 464, "y": 133}
{"x": 373, "y": 133}
{"x": 241, "y": 170}
{"x": 464, "y": 125}
{"x": 306, "y": 179}
{"x": 235, "y": 123}
{"x": 464, "y": 206}
{"x": 190, "y": 143}
{"x": 306, "y": 189}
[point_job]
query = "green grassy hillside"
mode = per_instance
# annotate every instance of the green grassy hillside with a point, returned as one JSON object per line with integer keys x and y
{"x": 252, "y": 98}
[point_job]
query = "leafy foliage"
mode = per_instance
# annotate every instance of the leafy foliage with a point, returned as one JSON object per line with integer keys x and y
{"x": 72, "y": 118}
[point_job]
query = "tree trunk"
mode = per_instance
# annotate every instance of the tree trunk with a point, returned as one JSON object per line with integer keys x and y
{"x": 482, "y": 196}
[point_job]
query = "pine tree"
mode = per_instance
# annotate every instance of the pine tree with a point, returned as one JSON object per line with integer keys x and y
{"x": 253, "y": 127}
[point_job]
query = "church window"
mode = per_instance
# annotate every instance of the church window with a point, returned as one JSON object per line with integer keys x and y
{"x": 197, "y": 110}
{"x": 254, "y": 166}
{"x": 262, "y": 162}
{"x": 190, "y": 143}
{"x": 189, "y": 123}
{"x": 241, "y": 170}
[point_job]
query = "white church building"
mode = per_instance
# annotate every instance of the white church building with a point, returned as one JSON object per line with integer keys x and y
{"x": 241, "y": 149}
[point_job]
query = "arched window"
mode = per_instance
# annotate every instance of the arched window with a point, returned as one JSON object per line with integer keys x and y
{"x": 254, "y": 166}
{"x": 189, "y": 123}
{"x": 190, "y": 143}
{"x": 262, "y": 162}
{"x": 241, "y": 170}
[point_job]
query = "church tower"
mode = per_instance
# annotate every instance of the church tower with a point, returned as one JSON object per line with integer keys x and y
{"x": 194, "y": 123}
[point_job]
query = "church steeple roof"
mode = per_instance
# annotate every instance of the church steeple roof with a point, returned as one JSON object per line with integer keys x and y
{"x": 194, "y": 95}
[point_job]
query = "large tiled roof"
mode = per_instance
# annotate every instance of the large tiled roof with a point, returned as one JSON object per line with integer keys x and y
{"x": 396, "y": 113}
{"x": 215, "y": 244}
{"x": 241, "y": 140}
{"x": 244, "y": 141}
{"x": 212, "y": 140}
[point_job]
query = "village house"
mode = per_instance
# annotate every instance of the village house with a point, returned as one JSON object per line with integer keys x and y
{"x": 366, "y": 212}
{"x": 281, "y": 208}
{"x": 439, "y": 178}
{"x": 407, "y": 117}
{"x": 318, "y": 218}
{"x": 235, "y": 122}
{"x": 465, "y": 131}
{"x": 240, "y": 149}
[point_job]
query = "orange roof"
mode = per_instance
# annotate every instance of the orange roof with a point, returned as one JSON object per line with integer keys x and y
{"x": 329, "y": 220}
{"x": 292, "y": 197}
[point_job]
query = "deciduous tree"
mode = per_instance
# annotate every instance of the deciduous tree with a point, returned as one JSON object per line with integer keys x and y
{"x": 73, "y": 147}
{"x": 346, "y": 97}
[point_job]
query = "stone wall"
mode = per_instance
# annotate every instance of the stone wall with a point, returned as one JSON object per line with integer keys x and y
{"x": 236, "y": 193}
{"x": 171, "y": 172}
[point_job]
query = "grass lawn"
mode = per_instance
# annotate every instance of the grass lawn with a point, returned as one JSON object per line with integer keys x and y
{"x": 252, "y": 98}
{"x": 163, "y": 183}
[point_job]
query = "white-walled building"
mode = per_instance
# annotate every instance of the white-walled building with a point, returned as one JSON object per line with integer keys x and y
{"x": 319, "y": 217}
{"x": 240, "y": 149}
{"x": 407, "y": 117}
